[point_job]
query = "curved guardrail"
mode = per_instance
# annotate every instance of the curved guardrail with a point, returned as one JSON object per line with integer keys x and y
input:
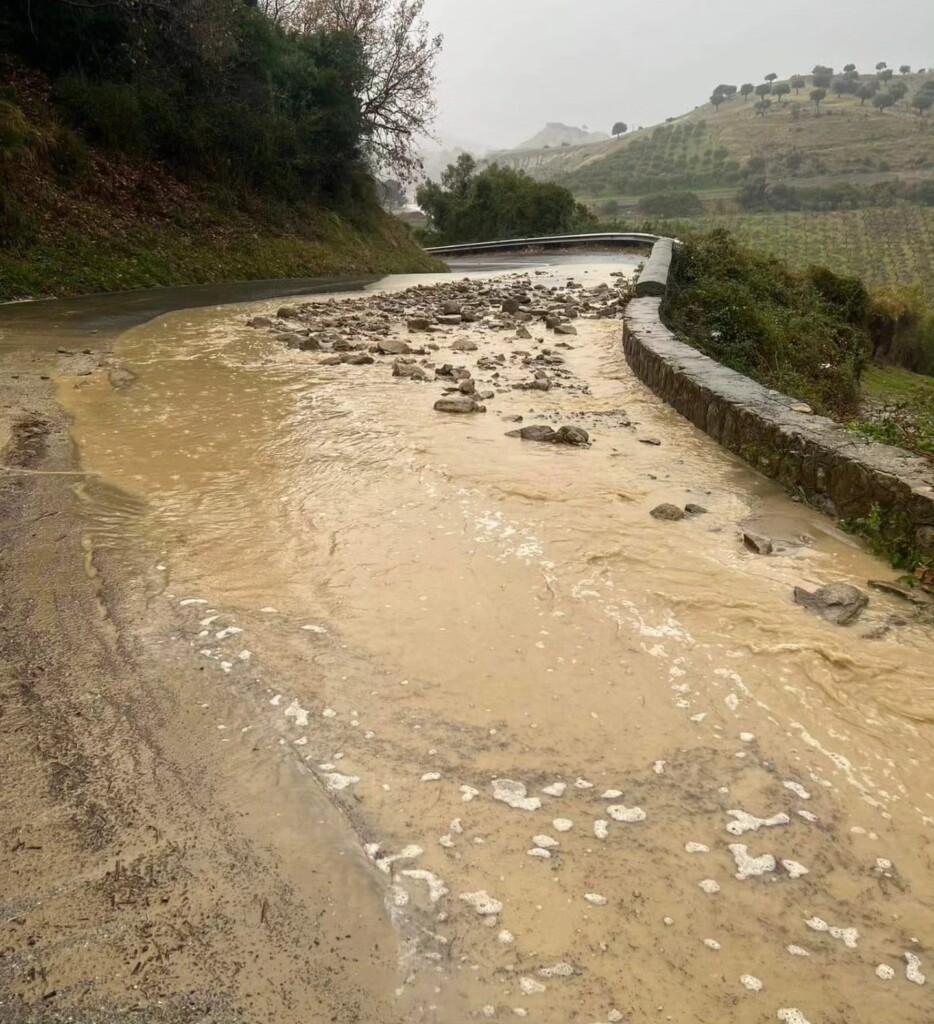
{"x": 627, "y": 238}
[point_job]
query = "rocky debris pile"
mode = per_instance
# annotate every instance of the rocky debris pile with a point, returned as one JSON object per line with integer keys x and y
{"x": 509, "y": 304}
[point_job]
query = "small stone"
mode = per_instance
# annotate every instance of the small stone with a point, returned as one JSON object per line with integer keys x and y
{"x": 650, "y": 440}
{"x": 757, "y": 543}
{"x": 523, "y": 332}
{"x": 458, "y": 404}
{"x": 839, "y": 603}
{"x": 565, "y": 329}
{"x": 802, "y": 407}
{"x": 464, "y": 345}
{"x": 694, "y": 510}
{"x": 418, "y": 323}
{"x": 668, "y": 512}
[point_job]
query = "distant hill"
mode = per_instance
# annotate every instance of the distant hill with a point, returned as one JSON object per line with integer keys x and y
{"x": 556, "y": 134}
{"x": 708, "y": 149}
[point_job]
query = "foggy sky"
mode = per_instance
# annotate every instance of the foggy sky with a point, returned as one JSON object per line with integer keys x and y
{"x": 511, "y": 65}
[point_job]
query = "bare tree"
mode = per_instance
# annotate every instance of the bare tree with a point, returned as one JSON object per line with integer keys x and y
{"x": 397, "y": 97}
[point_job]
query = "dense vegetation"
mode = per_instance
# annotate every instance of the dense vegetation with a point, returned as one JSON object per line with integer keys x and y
{"x": 184, "y": 141}
{"x": 497, "y": 202}
{"x": 805, "y": 334}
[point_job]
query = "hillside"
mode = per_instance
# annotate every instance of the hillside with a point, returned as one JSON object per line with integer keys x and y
{"x": 556, "y": 134}
{"x": 840, "y": 182}
{"x": 108, "y": 183}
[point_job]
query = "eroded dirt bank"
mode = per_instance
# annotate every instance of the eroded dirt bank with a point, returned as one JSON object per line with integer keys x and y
{"x": 448, "y": 702}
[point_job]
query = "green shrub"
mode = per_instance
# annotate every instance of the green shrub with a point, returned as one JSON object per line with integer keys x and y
{"x": 69, "y": 156}
{"x": 901, "y": 328}
{"x": 801, "y": 333}
{"x": 108, "y": 114}
{"x": 670, "y": 204}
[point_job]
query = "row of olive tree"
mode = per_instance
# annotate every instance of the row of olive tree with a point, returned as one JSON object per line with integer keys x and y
{"x": 879, "y": 89}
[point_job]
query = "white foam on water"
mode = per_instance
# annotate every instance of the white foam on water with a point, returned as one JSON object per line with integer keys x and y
{"x": 436, "y": 888}
{"x": 308, "y": 627}
{"x": 431, "y": 777}
{"x": 913, "y": 969}
{"x": 530, "y": 986}
{"x": 481, "y": 901}
{"x": 506, "y": 937}
{"x": 468, "y": 793}
{"x": 797, "y": 789}
{"x": 558, "y": 970}
{"x": 514, "y": 794}
{"x": 712, "y": 944}
{"x": 555, "y": 789}
{"x": 583, "y": 784}
{"x": 329, "y": 713}
{"x": 229, "y": 631}
{"x": 794, "y": 869}
{"x": 336, "y": 781}
{"x": 885, "y": 972}
{"x": 751, "y": 982}
{"x": 191, "y": 600}
{"x": 848, "y": 936}
{"x": 537, "y": 851}
{"x": 277, "y": 700}
{"x": 618, "y": 812}
{"x": 545, "y": 842}
{"x": 297, "y": 712}
{"x": 563, "y": 824}
{"x": 601, "y": 828}
{"x": 611, "y": 794}
{"x": 595, "y": 898}
{"x": 791, "y": 1015}
{"x": 808, "y": 815}
{"x": 749, "y": 866}
{"x": 797, "y": 950}
{"x": 746, "y": 822}
{"x": 709, "y": 886}
{"x": 659, "y": 767}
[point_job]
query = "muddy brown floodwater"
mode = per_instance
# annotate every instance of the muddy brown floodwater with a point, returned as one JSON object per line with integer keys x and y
{"x": 593, "y": 766}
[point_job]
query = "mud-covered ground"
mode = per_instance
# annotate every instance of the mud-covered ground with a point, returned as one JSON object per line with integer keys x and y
{"x": 321, "y": 703}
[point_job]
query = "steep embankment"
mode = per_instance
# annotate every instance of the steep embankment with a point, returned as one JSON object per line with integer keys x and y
{"x": 76, "y": 218}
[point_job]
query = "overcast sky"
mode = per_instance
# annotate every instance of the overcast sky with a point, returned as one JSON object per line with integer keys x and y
{"x": 511, "y": 65}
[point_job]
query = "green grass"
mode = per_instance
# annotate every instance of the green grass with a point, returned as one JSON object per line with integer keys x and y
{"x": 883, "y": 245}
{"x": 74, "y": 261}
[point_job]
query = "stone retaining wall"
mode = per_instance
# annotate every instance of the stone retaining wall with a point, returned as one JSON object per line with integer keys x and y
{"x": 834, "y": 469}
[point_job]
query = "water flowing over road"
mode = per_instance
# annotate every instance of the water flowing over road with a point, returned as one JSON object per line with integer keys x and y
{"x": 587, "y": 765}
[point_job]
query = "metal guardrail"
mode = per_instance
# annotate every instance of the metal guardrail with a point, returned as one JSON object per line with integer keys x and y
{"x": 627, "y": 238}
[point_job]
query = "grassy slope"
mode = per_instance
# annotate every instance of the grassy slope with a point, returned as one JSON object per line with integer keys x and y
{"x": 845, "y": 143}
{"x": 886, "y": 245}
{"x": 120, "y": 225}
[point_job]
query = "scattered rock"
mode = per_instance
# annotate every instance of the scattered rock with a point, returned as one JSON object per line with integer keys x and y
{"x": 418, "y": 323}
{"x": 694, "y": 510}
{"x": 650, "y": 440}
{"x": 120, "y": 377}
{"x": 357, "y": 359}
{"x": 839, "y": 603}
{"x": 536, "y": 432}
{"x": 451, "y": 308}
{"x": 412, "y": 371}
{"x": 524, "y": 333}
{"x": 464, "y": 345}
{"x": 667, "y": 511}
{"x": 802, "y": 407}
{"x": 571, "y": 435}
{"x": 510, "y": 306}
{"x": 565, "y": 329}
{"x": 392, "y": 347}
{"x": 757, "y": 543}
{"x": 450, "y": 320}
{"x": 287, "y": 313}
{"x": 459, "y": 404}
{"x": 913, "y": 594}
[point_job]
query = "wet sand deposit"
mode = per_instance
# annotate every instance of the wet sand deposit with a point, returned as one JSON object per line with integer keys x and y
{"x": 374, "y": 712}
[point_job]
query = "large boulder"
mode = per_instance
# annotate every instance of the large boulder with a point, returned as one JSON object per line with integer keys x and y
{"x": 572, "y": 435}
{"x": 839, "y": 603}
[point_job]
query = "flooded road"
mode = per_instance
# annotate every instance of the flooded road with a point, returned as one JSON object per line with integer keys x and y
{"x": 595, "y": 766}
